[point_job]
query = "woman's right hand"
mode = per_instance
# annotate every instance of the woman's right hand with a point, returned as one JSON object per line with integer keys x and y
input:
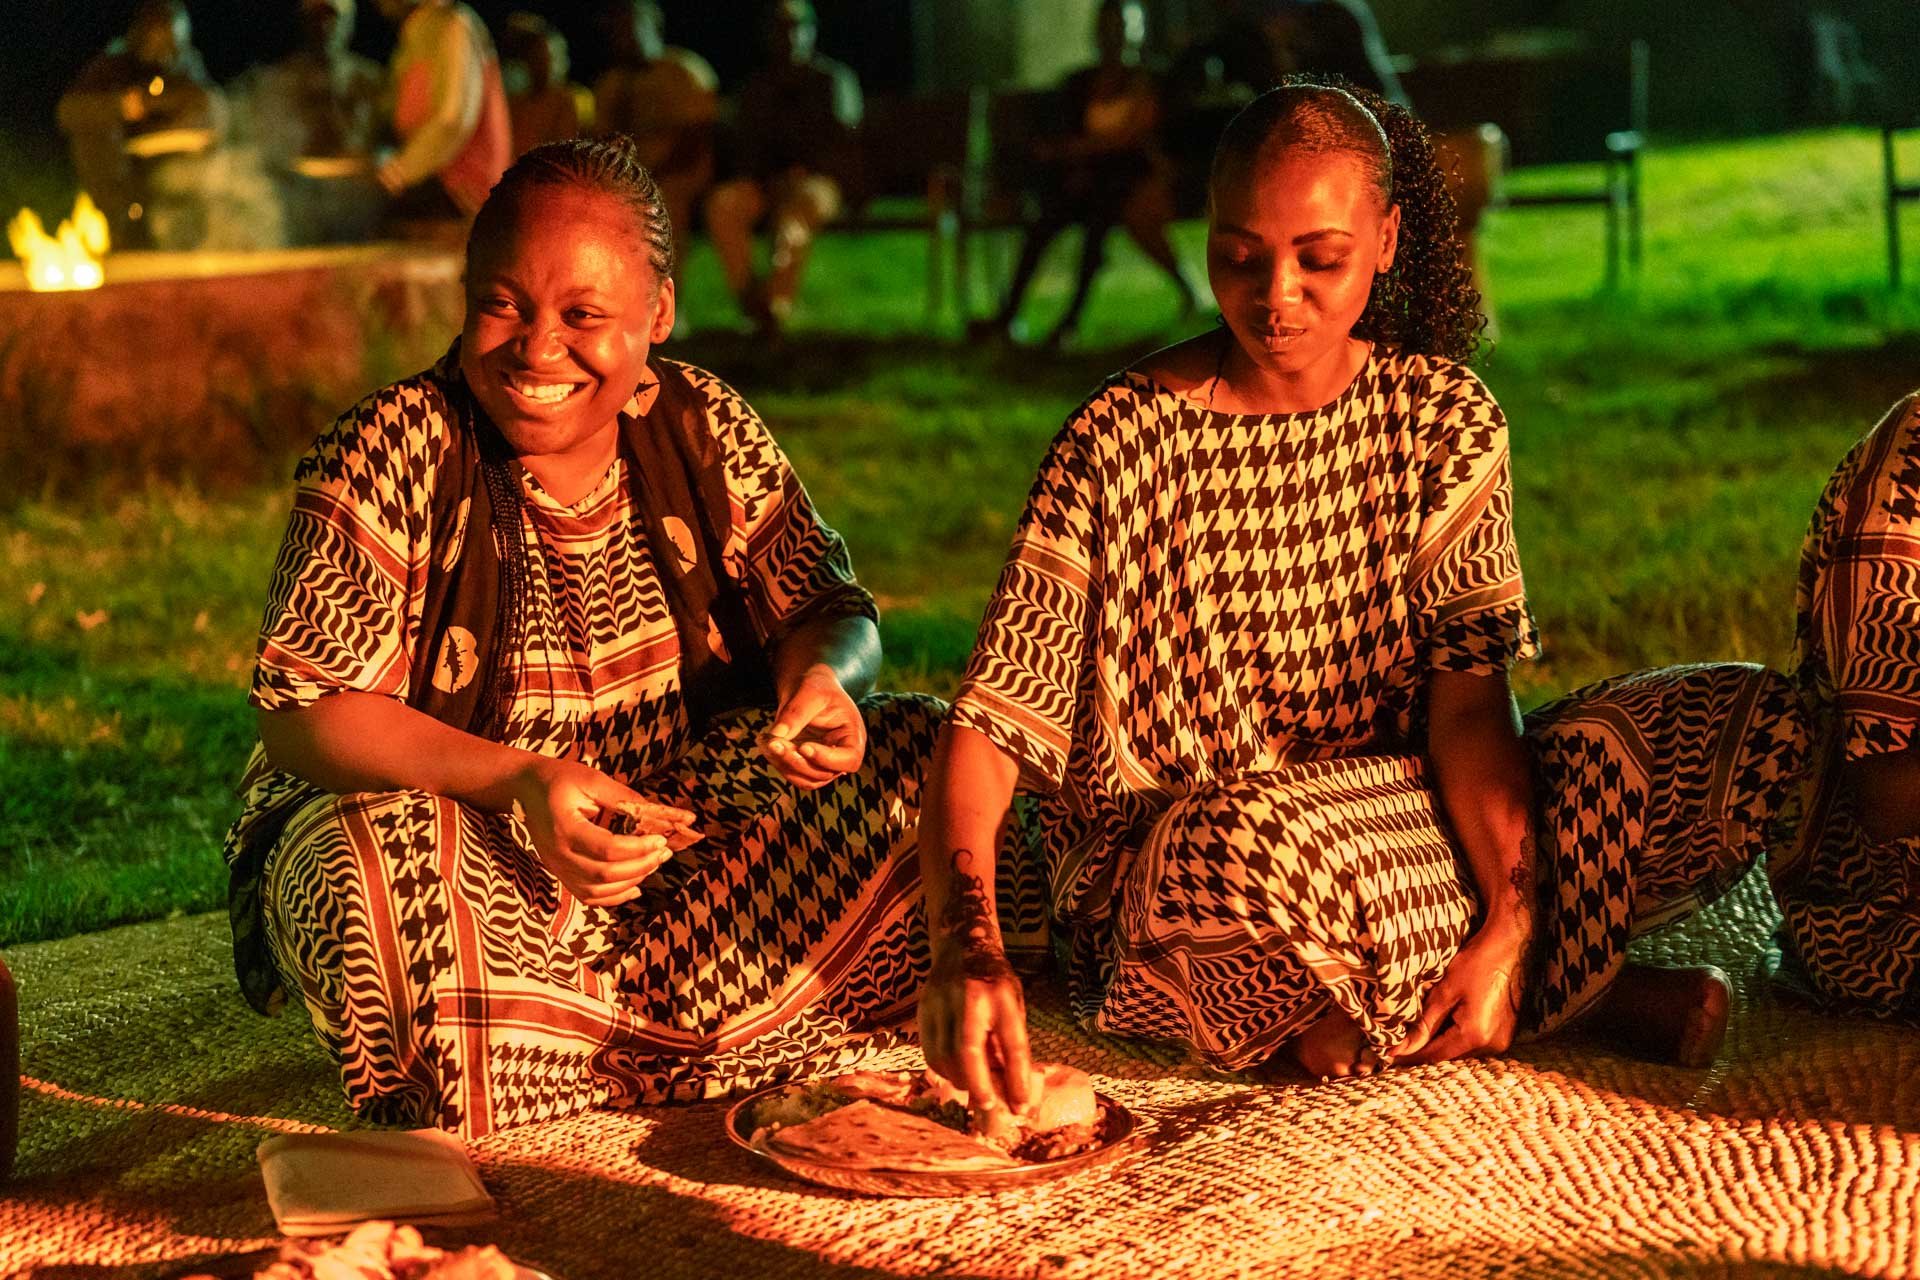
{"x": 973, "y": 1024}
{"x": 563, "y": 802}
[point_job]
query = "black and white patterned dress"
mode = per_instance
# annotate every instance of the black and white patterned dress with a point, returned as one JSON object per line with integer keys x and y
{"x": 1850, "y": 903}
{"x": 454, "y": 978}
{"x": 1209, "y": 650}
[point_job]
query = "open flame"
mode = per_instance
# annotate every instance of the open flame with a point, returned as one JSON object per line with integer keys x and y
{"x": 68, "y": 259}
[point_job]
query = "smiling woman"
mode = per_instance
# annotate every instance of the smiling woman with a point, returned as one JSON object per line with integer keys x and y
{"x": 568, "y": 791}
{"x": 559, "y": 328}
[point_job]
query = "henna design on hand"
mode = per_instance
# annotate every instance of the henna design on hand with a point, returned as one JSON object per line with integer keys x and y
{"x": 1523, "y": 876}
{"x": 969, "y": 921}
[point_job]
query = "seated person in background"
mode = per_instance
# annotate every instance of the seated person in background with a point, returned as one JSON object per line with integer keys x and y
{"x": 1846, "y": 878}
{"x": 137, "y": 108}
{"x": 795, "y": 158}
{"x": 1334, "y": 37}
{"x": 542, "y": 104}
{"x": 449, "y": 113}
{"x": 1107, "y": 170}
{"x": 1259, "y": 41}
{"x": 312, "y": 116}
{"x": 1252, "y": 644}
{"x": 546, "y": 615}
{"x": 666, "y": 99}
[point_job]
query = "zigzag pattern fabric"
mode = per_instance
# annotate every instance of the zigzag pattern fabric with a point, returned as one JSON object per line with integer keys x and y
{"x": 454, "y": 979}
{"x": 458, "y": 985}
{"x": 1208, "y": 651}
{"x": 1850, "y": 932}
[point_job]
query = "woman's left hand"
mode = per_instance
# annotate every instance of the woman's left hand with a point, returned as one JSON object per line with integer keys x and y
{"x": 1475, "y": 1007}
{"x": 818, "y": 734}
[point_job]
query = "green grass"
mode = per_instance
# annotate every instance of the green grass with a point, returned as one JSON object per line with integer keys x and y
{"x": 1668, "y": 444}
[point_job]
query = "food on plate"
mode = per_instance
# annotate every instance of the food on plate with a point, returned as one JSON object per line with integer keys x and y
{"x": 868, "y": 1135}
{"x": 383, "y": 1251}
{"x": 1063, "y": 1118}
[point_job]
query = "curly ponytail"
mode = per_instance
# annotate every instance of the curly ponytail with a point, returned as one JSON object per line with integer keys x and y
{"x": 1427, "y": 302}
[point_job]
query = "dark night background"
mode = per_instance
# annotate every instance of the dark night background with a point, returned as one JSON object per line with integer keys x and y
{"x": 44, "y": 43}
{"x": 1720, "y": 67}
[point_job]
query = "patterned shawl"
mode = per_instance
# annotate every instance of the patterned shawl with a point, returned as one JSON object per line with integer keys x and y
{"x": 473, "y": 630}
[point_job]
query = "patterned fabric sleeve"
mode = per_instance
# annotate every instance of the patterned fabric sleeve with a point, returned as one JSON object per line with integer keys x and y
{"x": 1022, "y": 682}
{"x": 794, "y": 567}
{"x": 340, "y": 611}
{"x": 1865, "y": 590}
{"x": 1465, "y": 576}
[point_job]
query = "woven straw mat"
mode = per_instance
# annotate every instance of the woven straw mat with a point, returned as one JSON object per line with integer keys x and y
{"x": 150, "y": 1084}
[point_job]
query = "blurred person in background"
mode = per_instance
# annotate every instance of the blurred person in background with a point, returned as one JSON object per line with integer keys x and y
{"x": 1252, "y": 45}
{"x": 1105, "y": 170}
{"x": 142, "y": 103}
{"x": 666, "y": 99}
{"x": 542, "y": 104}
{"x": 1257, "y": 42}
{"x": 795, "y": 163}
{"x": 449, "y": 113}
{"x": 314, "y": 119}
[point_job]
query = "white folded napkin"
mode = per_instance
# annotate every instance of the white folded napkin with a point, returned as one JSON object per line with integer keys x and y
{"x": 321, "y": 1183}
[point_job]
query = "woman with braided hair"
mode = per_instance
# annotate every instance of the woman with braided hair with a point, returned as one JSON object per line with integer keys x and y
{"x": 1251, "y": 645}
{"x": 569, "y": 789}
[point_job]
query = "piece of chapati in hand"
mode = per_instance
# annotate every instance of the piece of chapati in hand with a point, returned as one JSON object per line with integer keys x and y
{"x": 869, "y": 1137}
{"x": 645, "y": 818}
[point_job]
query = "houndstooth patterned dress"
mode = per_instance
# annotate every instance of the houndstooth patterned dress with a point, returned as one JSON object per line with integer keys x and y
{"x": 453, "y": 977}
{"x": 1850, "y": 932}
{"x": 1208, "y": 650}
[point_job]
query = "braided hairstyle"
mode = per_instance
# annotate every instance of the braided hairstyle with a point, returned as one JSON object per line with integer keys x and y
{"x": 1426, "y": 303}
{"x": 610, "y": 166}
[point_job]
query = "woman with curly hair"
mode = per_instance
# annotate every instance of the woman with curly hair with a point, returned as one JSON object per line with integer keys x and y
{"x": 1251, "y": 644}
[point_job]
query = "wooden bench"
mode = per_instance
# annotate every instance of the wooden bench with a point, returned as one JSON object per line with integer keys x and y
{"x": 1895, "y": 189}
{"x": 1545, "y": 102}
{"x": 914, "y": 156}
{"x": 953, "y": 165}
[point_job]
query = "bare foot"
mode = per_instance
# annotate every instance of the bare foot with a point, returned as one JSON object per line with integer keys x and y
{"x": 1669, "y": 1015}
{"x": 1334, "y": 1047}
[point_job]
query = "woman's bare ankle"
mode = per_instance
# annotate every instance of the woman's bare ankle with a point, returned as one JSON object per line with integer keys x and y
{"x": 1334, "y": 1047}
{"x": 1673, "y": 1015}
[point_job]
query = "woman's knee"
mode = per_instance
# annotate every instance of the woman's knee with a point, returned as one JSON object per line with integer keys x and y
{"x": 1730, "y": 737}
{"x": 1236, "y": 843}
{"x": 735, "y": 205}
{"x": 337, "y": 855}
{"x": 1287, "y": 839}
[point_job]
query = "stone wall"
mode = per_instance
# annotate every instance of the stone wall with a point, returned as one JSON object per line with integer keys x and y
{"x": 211, "y": 366}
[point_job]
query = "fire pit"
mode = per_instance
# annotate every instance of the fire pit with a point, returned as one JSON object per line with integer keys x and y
{"x": 209, "y": 364}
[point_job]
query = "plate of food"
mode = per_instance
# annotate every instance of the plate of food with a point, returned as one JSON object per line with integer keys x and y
{"x": 167, "y": 142}
{"x": 907, "y": 1133}
{"x": 371, "y": 1251}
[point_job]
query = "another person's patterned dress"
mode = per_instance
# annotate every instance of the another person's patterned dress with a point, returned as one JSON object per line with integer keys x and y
{"x": 1209, "y": 649}
{"x": 1850, "y": 935}
{"x": 456, "y": 981}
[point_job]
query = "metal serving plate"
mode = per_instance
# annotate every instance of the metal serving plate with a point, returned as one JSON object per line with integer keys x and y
{"x": 1121, "y": 1137}
{"x": 168, "y": 142}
